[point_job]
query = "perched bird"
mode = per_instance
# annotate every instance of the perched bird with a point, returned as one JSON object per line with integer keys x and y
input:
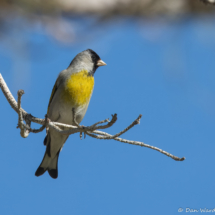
{"x": 72, "y": 91}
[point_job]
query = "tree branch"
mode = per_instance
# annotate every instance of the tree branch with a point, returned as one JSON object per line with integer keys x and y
{"x": 66, "y": 129}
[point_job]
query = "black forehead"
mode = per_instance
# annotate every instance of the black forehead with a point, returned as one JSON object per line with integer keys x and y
{"x": 93, "y": 54}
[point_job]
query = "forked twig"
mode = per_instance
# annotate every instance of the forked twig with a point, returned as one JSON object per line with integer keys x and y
{"x": 66, "y": 129}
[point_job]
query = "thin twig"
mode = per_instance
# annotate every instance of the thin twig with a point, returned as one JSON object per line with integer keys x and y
{"x": 61, "y": 125}
{"x": 136, "y": 143}
{"x": 11, "y": 100}
{"x": 65, "y": 132}
{"x": 108, "y": 137}
{"x": 23, "y": 132}
{"x": 113, "y": 120}
{"x": 37, "y": 130}
{"x": 100, "y": 122}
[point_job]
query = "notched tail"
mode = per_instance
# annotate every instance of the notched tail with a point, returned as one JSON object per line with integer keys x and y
{"x": 48, "y": 163}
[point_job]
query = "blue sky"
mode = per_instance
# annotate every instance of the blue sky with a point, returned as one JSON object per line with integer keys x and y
{"x": 162, "y": 70}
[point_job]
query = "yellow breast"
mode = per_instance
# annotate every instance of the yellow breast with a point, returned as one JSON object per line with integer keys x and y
{"x": 79, "y": 88}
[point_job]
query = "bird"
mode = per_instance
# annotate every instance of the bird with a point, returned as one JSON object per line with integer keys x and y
{"x": 72, "y": 92}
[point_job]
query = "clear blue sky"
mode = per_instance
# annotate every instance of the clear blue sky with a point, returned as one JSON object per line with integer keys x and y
{"x": 165, "y": 71}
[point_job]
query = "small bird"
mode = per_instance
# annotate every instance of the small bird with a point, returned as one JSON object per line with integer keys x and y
{"x": 72, "y": 92}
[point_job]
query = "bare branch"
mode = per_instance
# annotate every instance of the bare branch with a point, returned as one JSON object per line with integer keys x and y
{"x": 113, "y": 120}
{"x": 139, "y": 144}
{"x": 23, "y": 132}
{"x": 71, "y": 129}
{"x": 100, "y": 122}
{"x": 104, "y": 134}
{"x": 61, "y": 125}
{"x": 151, "y": 147}
{"x": 107, "y": 137}
{"x": 11, "y": 100}
{"x": 65, "y": 132}
{"x": 37, "y": 130}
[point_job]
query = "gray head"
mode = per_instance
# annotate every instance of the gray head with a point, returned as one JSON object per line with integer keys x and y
{"x": 87, "y": 60}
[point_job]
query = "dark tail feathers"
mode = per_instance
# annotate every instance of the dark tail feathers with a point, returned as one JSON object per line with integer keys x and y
{"x": 48, "y": 163}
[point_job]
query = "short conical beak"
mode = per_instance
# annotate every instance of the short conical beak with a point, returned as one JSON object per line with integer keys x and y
{"x": 101, "y": 63}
